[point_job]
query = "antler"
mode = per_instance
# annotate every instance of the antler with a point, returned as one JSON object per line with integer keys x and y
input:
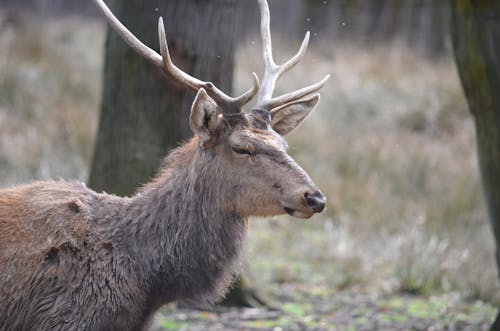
{"x": 273, "y": 72}
{"x": 165, "y": 62}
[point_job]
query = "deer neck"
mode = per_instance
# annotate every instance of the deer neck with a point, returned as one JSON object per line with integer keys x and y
{"x": 186, "y": 241}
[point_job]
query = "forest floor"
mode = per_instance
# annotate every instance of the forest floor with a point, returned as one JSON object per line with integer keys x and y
{"x": 344, "y": 311}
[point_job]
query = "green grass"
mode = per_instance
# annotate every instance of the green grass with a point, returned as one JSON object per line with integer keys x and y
{"x": 170, "y": 325}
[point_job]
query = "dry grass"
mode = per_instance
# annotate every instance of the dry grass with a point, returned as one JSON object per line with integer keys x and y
{"x": 391, "y": 145}
{"x": 49, "y": 89}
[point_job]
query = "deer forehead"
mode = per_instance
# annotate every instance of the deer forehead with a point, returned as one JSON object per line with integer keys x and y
{"x": 259, "y": 139}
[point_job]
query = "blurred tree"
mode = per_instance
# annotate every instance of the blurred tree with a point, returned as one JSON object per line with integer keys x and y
{"x": 50, "y": 8}
{"x": 143, "y": 113}
{"x": 476, "y": 40}
{"x": 422, "y": 24}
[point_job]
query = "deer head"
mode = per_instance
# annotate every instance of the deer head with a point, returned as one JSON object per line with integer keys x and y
{"x": 248, "y": 146}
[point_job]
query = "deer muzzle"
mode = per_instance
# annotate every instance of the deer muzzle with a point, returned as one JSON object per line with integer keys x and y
{"x": 315, "y": 201}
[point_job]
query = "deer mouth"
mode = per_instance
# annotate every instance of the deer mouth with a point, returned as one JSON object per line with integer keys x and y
{"x": 298, "y": 213}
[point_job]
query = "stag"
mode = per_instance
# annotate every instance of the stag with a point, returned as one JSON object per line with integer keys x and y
{"x": 75, "y": 259}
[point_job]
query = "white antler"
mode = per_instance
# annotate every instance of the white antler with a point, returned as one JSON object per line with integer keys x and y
{"x": 273, "y": 72}
{"x": 164, "y": 61}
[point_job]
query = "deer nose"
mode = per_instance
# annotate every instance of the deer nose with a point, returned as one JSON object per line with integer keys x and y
{"x": 316, "y": 201}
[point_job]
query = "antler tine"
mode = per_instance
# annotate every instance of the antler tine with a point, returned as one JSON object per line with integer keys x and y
{"x": 176, "y": 73}
{"x": 296, "y": 95}
{"x": 169, "y": 66}
{"x": 265, "y": 34}
{"x": 179, "y": 75}
{"x": 196, "y": 84}
{"x": 297, "y": 57}
{"x": 272, "y": 71}
{"x": 270, "y": 67}
{"x": 164, "y": 61}
{"x": 248, "y": 95}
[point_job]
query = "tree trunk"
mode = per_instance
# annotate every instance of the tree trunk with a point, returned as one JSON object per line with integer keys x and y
{"x": 476, "y": 39}
{"x": 143, "y": 113}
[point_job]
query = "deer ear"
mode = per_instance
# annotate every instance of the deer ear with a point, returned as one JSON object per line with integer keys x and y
{"x": 286, "y": 118}
{"x": 204, "y": 119}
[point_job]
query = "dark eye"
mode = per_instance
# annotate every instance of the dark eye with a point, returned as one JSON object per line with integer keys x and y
{"x": 240, "y": 150}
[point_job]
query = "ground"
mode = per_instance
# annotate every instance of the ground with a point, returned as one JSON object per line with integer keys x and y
{"x": 343, "y": 311}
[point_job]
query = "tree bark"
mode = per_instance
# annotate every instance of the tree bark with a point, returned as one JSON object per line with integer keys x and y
{"x": 476, "y": 40}
{"x": 143, "y": 113}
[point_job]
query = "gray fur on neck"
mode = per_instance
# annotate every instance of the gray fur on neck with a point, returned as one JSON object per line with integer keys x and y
{"x": 182, "y": 227}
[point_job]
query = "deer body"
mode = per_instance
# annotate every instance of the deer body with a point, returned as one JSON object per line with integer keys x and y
{"x": 100, "y": 262}
{"x": 75, "y": 259}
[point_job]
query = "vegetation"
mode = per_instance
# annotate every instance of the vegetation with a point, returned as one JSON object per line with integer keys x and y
{"x": 405, "y": 203}
{"x": 392, "y": 147}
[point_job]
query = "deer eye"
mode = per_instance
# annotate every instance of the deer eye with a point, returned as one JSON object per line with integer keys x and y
{"x": 239, "y": 150}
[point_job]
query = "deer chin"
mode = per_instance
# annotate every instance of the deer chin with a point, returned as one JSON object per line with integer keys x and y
{"x": 298, "y": 213}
